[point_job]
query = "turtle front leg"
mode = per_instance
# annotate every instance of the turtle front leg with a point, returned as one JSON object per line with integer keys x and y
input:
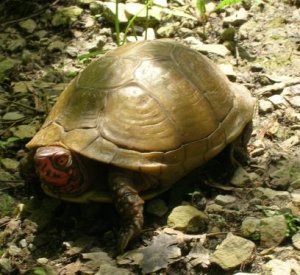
{"x": 129, "y": 205}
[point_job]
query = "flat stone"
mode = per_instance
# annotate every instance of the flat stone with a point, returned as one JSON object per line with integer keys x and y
{"x": 56, "y": 46}
{"x": 225, "y": 199}
{"x": 28, "y": 25}
{"x": 296, "y": 240}
{"x": 66, "y": 16}
{"x": 6, "y": 266}
{"x": 265, "y": 106}
{"x": 271, "y": 194}
{"x": 251, "y": 228}
{"x": 272, "y": 230}
{"x": 238, "y": 18}
{"x": 294, "y": 101}
{"x": 42, "y": 261}
{"x": 188, "y": 219}
{"x": 232, "y": 252}
{"x": 279, "y": 267}
{"x": 161, "y": 3}
{"x": 109, "y": 10}
{"x": 277, "y": 100}
{"x": 217, "y": 49}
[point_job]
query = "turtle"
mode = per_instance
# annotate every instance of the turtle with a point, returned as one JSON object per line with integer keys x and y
{"x": 134, "y": 122}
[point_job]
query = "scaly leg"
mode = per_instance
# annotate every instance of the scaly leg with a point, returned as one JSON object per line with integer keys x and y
{"x": 129, "y": 205}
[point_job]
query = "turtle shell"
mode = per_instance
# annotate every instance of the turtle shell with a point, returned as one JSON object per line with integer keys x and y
{"x": 156, "y": 107}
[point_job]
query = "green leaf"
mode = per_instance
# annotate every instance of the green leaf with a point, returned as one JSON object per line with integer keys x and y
{"x": 225, "y": 3}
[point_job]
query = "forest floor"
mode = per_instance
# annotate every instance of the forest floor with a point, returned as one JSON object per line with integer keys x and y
{"x": 253, "y": 218}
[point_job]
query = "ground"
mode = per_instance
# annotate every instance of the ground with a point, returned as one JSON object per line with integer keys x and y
{"x": 252, "y": 216}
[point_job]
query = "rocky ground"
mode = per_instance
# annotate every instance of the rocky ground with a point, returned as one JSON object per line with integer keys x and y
{"x": 248, "y": 224}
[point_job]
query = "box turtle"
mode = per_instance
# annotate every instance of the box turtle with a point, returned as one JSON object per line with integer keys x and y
{"x": 134, "y": 122}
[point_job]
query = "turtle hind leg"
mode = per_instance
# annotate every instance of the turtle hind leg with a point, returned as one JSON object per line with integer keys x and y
{"x": 129, "y": 205}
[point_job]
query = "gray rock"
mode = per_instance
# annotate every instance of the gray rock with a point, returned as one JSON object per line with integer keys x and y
{"x": 267, "y": 193}
{"x": 157, "y": 207}
{"x": 237, "y": 18}
{"x": 42, "y": 261}
{"x": 279, "y": 267}
{"x": 109, "y": 11}
{"x": 13, "y": 116}
{"x": 28, "y": 25}
{"x": 265, "y": 106}
{"x": 295, "y": 184}
{"x": 217, "y": 49}
{"x": 168, "y": 29}
{"x": 161, "y": 3}
{"x": 295, "y": 195}
{"x": 56, "y": 46}
{"x": 296, "y": 240}
{"x": 240, "y": 178}
{"x": 188, "y": 219}
{"x": 66, "y": 16}
{"x": 23, "y": 243}
{"x": 6, "y": 266}
{"x": 295, "y": 101}
{"x": 10, "y": 164}
{"x": 150, "y": 34}
{"x": 251, "y": 228}
{"x": 14, "y": 250}
{"x": 197, "y": 45}
{"x": 277, "y": 100}
{"x": 232, "y": 252}
{"x": 292, "y": 95}
{"x": 272, "y": 230}
{"x": 225, "y": 199}
{"x": 139, "y": 11}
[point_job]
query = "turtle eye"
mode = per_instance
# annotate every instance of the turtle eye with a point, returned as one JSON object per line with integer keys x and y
{"x": 62, "y": 160}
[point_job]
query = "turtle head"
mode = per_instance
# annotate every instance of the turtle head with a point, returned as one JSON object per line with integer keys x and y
{"x": 59, "y": 170}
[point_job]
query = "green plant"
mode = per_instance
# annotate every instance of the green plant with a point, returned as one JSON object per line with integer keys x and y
{"x": 225, "y": 3}
{"x": 130, "y": 24}
{"x": 200, "y": 6}
{"x": 292, "y": 221}
{"x": 293, "y": 224}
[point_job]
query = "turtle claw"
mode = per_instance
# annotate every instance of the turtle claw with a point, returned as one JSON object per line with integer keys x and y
{"x": 125, "y": 235}
{"x": 130, "y": 207}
